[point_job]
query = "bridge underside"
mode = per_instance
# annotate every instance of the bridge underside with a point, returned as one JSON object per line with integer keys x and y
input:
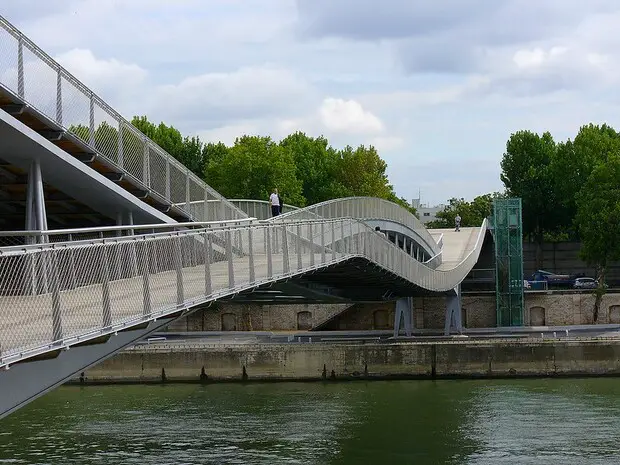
{"x": 355, "y": 280}
{"x": 75, "y": 194}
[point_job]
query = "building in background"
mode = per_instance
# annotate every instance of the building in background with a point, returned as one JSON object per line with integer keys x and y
{"x": 426, "y": 213}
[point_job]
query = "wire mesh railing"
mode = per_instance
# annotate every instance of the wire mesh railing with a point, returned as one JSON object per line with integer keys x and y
{"x": 33, "y": 77}
{"x": 259, "y": 208}
{"x": 60, "y": 293}
{"x": 366, "y": 208}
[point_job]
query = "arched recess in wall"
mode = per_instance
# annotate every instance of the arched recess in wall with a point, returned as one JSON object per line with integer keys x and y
{"x": 537, "y": 316}
{"x": 304, "y": 320}
{"x": 381, "y": 319}
{"x": 229, "y": 322}
{"x": 614, "y": 314}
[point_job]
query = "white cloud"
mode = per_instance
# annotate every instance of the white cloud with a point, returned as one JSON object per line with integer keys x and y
{"x": 105, "y": 76}
{"x": 228, "y": 134}
{"x": 388, "y": 143}
{"x": 223, "y": 68}
{"x": 348, "y": 116}
{"x": 247, "y": 93}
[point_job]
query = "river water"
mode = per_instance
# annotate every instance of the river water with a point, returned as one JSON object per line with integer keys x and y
{"x": 393, "y": 422}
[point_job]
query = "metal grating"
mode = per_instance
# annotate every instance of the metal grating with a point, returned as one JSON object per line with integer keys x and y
{"x": 507, "y": 223}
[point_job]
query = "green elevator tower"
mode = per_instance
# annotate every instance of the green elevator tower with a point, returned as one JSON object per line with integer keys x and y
{"x": 508, "y": 235}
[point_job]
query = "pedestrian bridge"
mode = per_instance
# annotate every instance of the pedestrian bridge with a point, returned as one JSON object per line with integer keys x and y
{"x": 106, "y": 238}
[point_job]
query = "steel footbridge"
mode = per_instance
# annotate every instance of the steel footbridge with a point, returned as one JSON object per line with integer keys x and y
{"x": 106, "y": 238}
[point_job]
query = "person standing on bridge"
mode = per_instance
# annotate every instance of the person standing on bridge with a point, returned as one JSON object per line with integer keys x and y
{"x": 457, "y": 222}
{"x": 274, "y": 202}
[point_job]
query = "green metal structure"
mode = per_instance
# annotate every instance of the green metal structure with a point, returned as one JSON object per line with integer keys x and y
{"x": 508, "y": 235}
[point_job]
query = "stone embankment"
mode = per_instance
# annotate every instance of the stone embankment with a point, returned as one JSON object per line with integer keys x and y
{"x": 195, "y": 362}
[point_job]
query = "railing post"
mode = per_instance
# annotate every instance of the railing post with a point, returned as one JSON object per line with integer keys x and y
{"x": 59, "y": 97}
{"x": 205, "y": 210}
{"x": 239, "y": 241}
{"x": 285, "y": 263}
{"x": 322, "y": 242}
{"x": 145, "y": 270}
{"x": 20, "y": 67}
{"x": 208, "y": 246}
{"x": 52, "y": 267}
{"x": 311, "y": 244}
{"x": 251, "y": 256}
{"x": 333, "y": 226}
{"x": 178, "y": 262}
{"x": 268, "y": 252}
{"x": 105, "y": 287}
{"x": 187, "y": 193}
{"x": 72, "y": 260}
{"x": 168, "y": 179}
{"x": 229, "y": 256}
{"x": 91, "y": 120}
{"x": 298, "y": 248}
{"x": 120, "y": 158}
{"x": 145, "y": 163}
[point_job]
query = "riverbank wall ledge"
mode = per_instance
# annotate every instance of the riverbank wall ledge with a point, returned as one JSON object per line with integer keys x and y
{"x": 197, "y": 362}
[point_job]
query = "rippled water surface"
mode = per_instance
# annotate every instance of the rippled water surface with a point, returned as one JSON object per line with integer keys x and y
{"x": 399, "y": 422}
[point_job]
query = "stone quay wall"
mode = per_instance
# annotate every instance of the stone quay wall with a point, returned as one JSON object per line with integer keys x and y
{"x": 347, "y": 361}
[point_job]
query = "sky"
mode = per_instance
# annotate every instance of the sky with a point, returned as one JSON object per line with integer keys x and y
{"x": 437, "y": 87}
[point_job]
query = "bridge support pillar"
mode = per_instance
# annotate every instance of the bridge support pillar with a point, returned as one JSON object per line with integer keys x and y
{"x": 453, "y": 313}
{"x": 36, "y": 216}
{"x": 403, "y": 311}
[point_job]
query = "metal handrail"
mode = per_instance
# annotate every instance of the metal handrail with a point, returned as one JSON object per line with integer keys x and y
{"x": 103, "y": 229}
{"x": 259, "y": 208}
{"x": 62, "y": 294}
{"x": 137, "y": 156}
{"x": 366, "y": 208}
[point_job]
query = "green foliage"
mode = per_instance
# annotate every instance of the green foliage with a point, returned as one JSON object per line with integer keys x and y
{"x": 306, "y": 170}
{"x": 316, "y": 165}
{"x": 527, "y": 173}
{"x": 252, "y": 167}
{"x": 598, "y": 213}
{"x": 188, "y": 151}
{"x": 598, "y": 217}
{"x": 472, "y": 213}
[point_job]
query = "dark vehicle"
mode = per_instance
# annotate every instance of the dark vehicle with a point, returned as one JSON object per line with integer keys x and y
{"x": 545, "y": 280}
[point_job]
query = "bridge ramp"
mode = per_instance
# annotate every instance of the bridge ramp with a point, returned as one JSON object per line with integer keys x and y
{"x": 456, "y": 245}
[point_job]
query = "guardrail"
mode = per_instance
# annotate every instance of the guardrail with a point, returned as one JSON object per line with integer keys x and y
{"x": 259, "y": 208}
{"x": 53, "y": 295}
{"x": 36, "y": 79}
{"x": 365, "y": 208}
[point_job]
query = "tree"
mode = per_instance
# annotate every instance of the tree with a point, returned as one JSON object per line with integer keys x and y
{"x": 527, "y": 173}
{"x": 316, "y": 164}
{"x": 252, "y": 167}
{"x": 598, "y": 217}
{"x": 362, "y": 172}
{"x": 573, "y": 164}
{"x": 472, "y": 213}
{"x": 187, "y": 150}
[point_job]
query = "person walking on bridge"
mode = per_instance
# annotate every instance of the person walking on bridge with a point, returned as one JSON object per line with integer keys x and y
{"x": 274, "y": 203}
{"x": 457, "y": 222}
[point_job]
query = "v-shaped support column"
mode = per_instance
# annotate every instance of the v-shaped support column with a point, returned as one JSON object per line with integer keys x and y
{"x": 404, "y": 311}
{"x": 453, "y": 312}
